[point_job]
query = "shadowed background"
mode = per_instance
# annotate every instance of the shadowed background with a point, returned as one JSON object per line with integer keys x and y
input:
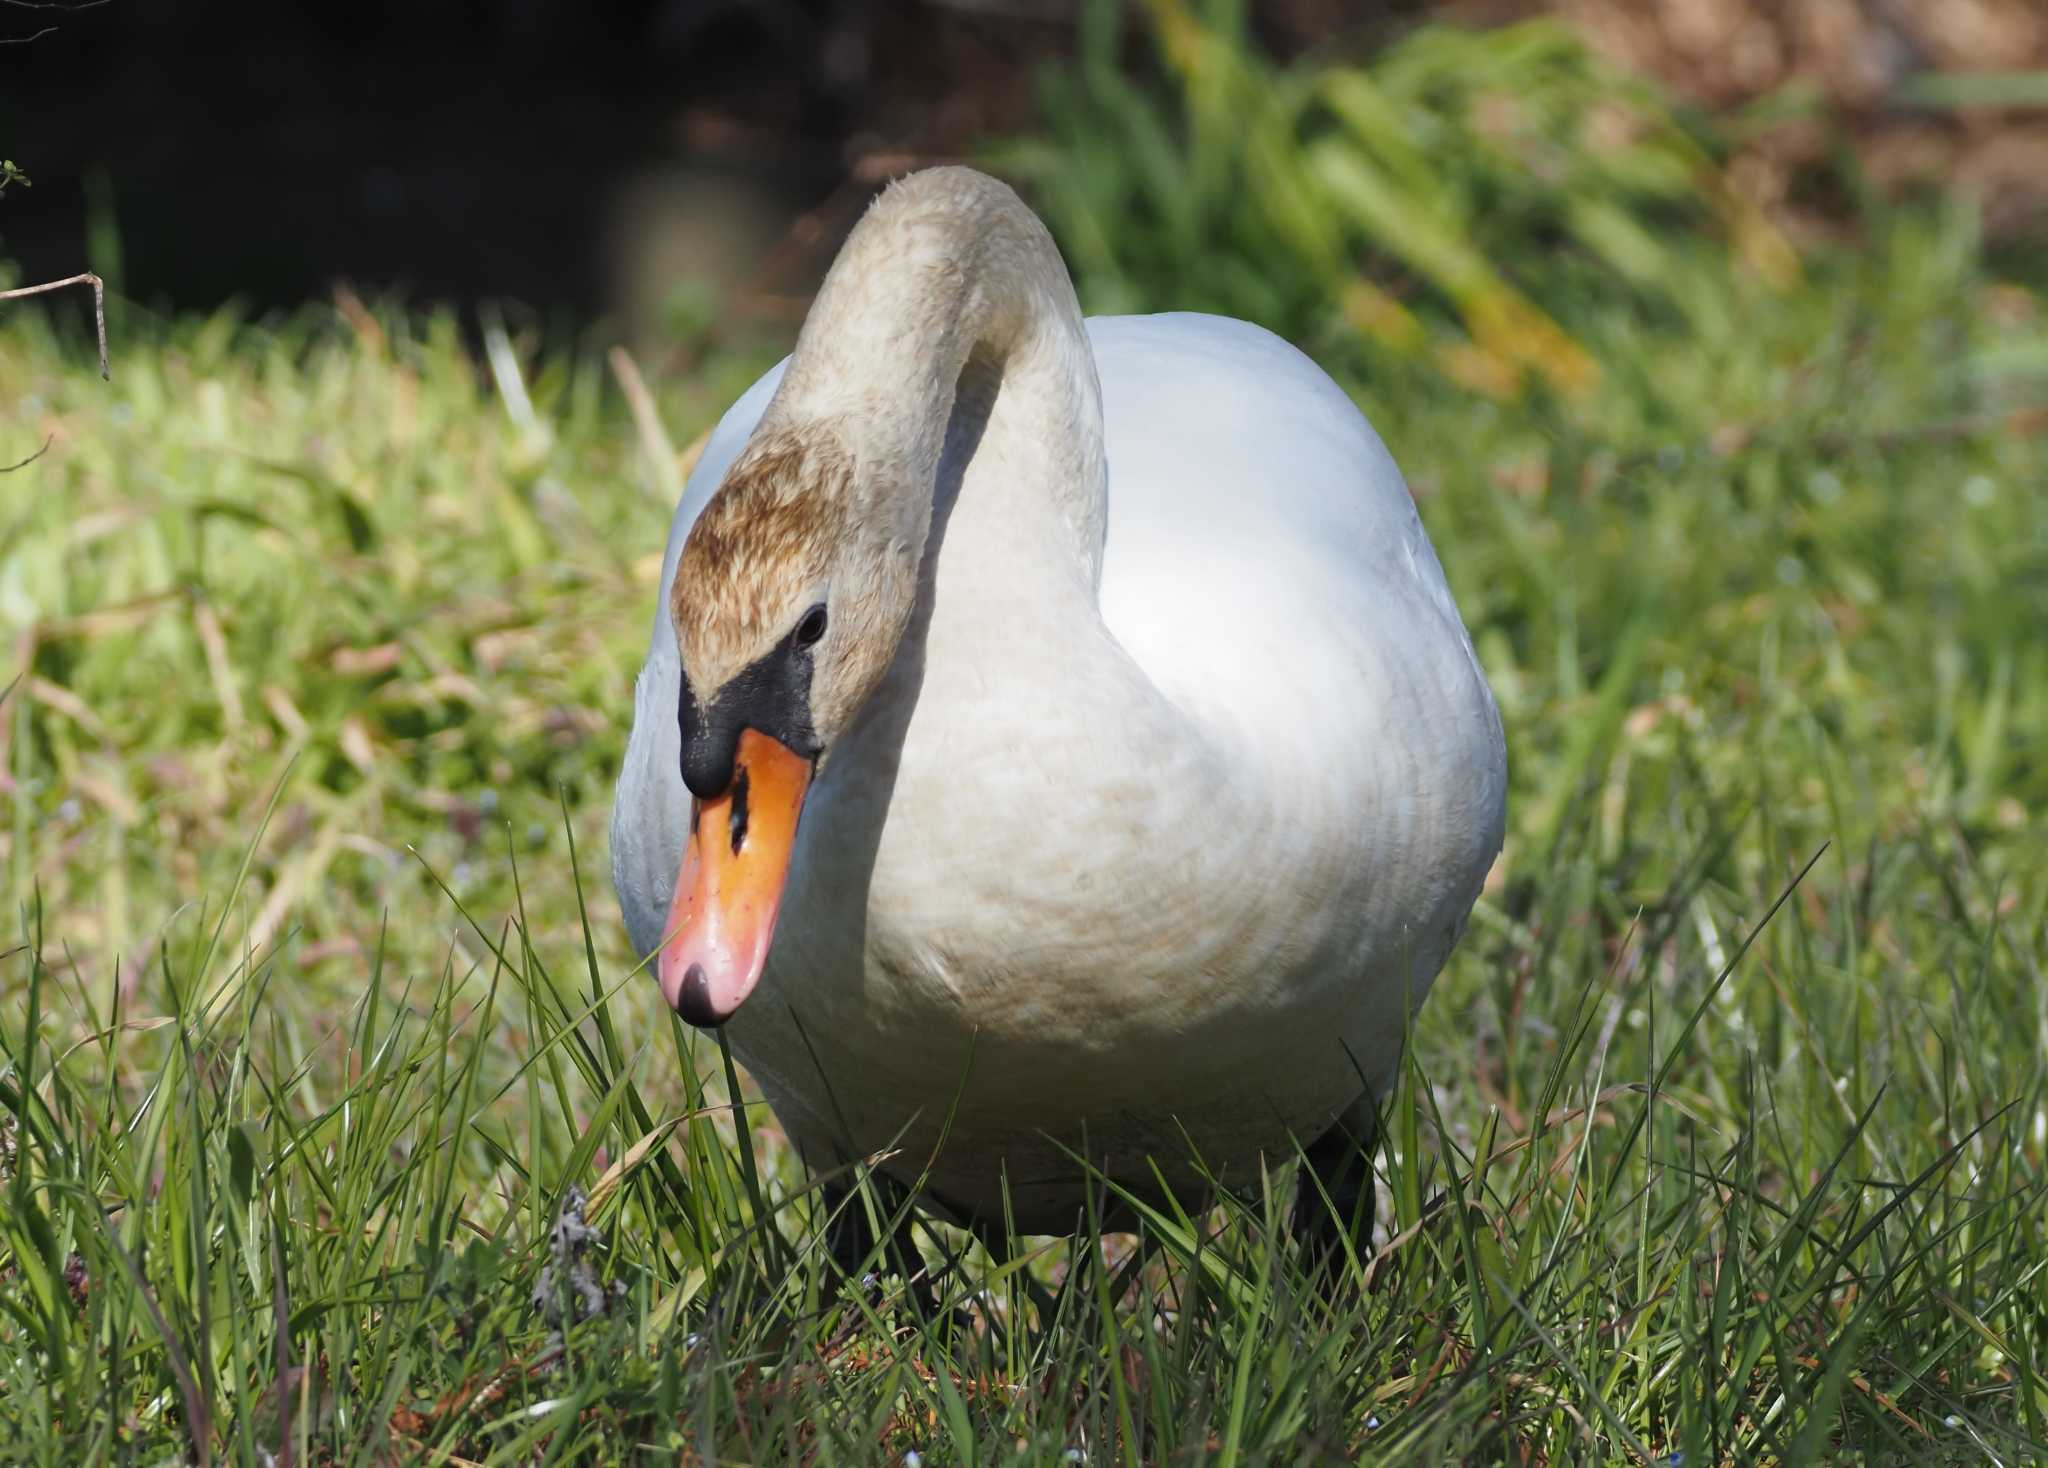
{"x": 652, "y": 157}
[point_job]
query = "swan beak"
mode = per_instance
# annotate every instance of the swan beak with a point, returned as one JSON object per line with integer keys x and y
{"x": 735, "y": 865}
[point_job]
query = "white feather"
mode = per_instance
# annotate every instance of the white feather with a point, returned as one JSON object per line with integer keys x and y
{"x": 1170, "y": 860}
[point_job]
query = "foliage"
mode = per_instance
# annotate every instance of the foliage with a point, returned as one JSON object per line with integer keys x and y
{"x": 1480, "y": 201}
{"x": 322, "y": 636}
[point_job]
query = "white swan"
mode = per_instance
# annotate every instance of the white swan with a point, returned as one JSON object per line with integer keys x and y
{"x": 1145, "y": 769}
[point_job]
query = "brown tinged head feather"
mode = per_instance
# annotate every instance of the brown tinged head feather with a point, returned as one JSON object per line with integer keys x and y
{"x": 761, "y": 549}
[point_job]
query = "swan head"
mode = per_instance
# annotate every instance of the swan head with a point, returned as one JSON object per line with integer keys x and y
{"x": 788, "y": 603}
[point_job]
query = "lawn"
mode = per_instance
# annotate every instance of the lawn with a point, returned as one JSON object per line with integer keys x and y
{"x": 1726, "y": 1129}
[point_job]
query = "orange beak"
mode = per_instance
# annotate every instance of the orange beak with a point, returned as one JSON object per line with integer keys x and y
{"x": 735, "y": 866}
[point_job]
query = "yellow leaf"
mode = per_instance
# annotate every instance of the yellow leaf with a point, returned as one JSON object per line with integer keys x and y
{"x": 601, "y": 1192}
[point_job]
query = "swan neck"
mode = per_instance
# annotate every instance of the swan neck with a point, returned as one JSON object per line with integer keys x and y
{"x": 949, "y": 300}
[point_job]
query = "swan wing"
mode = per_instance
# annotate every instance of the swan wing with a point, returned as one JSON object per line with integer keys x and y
{"x": 1266, "y": 568}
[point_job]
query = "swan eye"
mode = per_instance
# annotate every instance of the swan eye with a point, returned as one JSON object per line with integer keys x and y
{"x": 812, "y": 627}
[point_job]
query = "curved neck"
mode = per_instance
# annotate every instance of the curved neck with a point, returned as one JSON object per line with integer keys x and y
{"x": 948, "y": 325}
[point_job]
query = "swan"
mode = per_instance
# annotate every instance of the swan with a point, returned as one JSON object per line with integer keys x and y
{"x": 1057, "y": 738}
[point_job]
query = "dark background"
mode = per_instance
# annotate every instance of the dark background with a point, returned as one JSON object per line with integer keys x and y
{"x": 640, "y": 157}
{"x": 558, "y": 154}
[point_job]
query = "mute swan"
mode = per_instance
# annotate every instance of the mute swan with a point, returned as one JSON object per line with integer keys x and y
{"x": 1145, "y": 772}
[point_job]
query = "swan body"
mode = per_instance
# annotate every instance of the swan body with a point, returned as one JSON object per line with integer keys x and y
{"x": 1156, "y": 820}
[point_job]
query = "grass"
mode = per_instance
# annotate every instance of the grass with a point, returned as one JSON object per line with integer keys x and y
{"x": 1725, "y": 1132}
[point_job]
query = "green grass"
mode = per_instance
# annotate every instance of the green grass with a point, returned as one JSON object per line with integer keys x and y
{"x": 1726, "y": 1128}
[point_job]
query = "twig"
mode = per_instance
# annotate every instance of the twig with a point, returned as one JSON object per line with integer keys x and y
{"x": 99, "y": 306}
{"x": 654, "y": 440}
{"x": 63, "y": 5}
{"x": 281, "y": 1340}
{"x": 198, "y": 1411}
{"x": 47, "y": 441}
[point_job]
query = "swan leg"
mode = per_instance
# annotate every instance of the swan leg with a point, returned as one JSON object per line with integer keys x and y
{"x": 1336, "y": 1196}
{"x": 851, "y": 1242}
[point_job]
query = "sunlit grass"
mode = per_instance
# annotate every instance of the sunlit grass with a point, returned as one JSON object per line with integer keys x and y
{"x": 316, "y": 1003}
